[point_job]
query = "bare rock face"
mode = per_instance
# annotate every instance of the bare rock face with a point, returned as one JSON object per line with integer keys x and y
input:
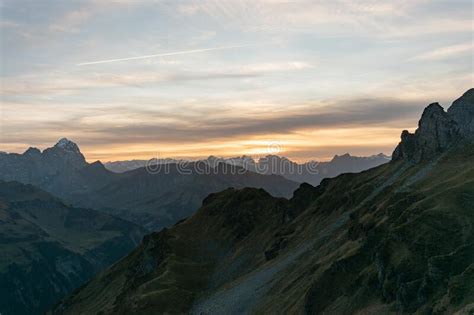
{"x": 406, "y": 149}
{"x": 65, "y": 154}
{"x": 55, "y": 169}
{"x": 462, "y": 112}
{"x": 438, "y": 130}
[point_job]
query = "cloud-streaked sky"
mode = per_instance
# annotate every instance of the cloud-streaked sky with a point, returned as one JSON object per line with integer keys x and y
{"x": 130, "y": 79}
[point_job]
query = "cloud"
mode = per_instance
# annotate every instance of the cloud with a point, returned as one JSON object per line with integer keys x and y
{"x": 357, "y": 125}
{"x": 447, "y": 52}
{"x": 61, "y": 83}
{"x": 388, "y": 19}
{"x": 8, "y": 24}
{"x": 71, "y": 21}
{"x": 150, "y": 125}
{"x": 347, "y": 114}
{"x": 276, "y": 67}
{"x": 188, "y": 9}
{"x": 320, "y": 50}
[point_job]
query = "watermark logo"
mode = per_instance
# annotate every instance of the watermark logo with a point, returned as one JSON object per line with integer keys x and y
{"x": 272, "y": 163}
{"x": 274, "y": 148}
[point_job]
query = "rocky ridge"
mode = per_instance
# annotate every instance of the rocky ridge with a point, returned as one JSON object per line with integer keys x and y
{"x": 438, "y": 130}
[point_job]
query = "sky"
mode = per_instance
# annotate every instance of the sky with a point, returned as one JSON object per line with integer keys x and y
{"x": 187, "y": 79}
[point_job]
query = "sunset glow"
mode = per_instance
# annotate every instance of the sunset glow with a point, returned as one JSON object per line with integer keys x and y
{"x": 199, "y": 78}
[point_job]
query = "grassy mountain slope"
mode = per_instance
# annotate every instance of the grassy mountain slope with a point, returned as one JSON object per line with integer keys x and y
{"x": 49, "y": 248}
{"x": 397, "y": 238}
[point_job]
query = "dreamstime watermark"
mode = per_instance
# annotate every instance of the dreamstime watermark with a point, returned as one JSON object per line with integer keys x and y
{"x": 269, "y": 164}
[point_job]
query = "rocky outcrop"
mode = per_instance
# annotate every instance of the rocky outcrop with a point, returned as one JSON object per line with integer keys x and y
{"x": 462, "y": 112}
{"x": 36, "y": 167}
{"x": 438, "y": 130}
{"x": 65, "y": 153}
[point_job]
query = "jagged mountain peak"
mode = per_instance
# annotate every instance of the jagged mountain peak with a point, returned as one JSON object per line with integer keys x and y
{"x": 337, "y": 157}
{"x": 462, "y": 111}
{"x": 64, "y": 152}
{"x": 432, "y": 110}
{"x": 468, "y": 96}
{"x": 97, "y": 163}
{"x": 32, "y": 151}
{"x": 68, "y": 145}
{"x": 438, "y": 130}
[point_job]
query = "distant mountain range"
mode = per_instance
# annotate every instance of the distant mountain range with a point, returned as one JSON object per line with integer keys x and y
{"x": 311, "y": 172}
{"x": 396, "y": 239}
{"x": 130, "y": 165}
{"x": 152, "y": 198}
{"x": 49, "y": 248}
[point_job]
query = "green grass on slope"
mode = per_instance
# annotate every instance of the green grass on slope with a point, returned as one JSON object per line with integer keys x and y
{"x": 170, "y": 270}
{"x": 414, "y": 240}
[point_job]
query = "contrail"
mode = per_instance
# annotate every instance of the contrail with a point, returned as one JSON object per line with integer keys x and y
{"x": 185, "y": 52}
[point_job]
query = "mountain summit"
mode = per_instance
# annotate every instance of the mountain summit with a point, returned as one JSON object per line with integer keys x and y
{"x": 462, "y": 111}
{"x": 438, "y": 130}
{"x": 67, "y": 145}
{"x": 54, "y": 164}
{"x": 65, "y": 153}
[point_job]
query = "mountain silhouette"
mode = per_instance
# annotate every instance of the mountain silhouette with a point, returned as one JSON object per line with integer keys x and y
{"x": 152, "y": 197}
{"x": 310, "y": 172}
{"x": 394, "y": 239}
